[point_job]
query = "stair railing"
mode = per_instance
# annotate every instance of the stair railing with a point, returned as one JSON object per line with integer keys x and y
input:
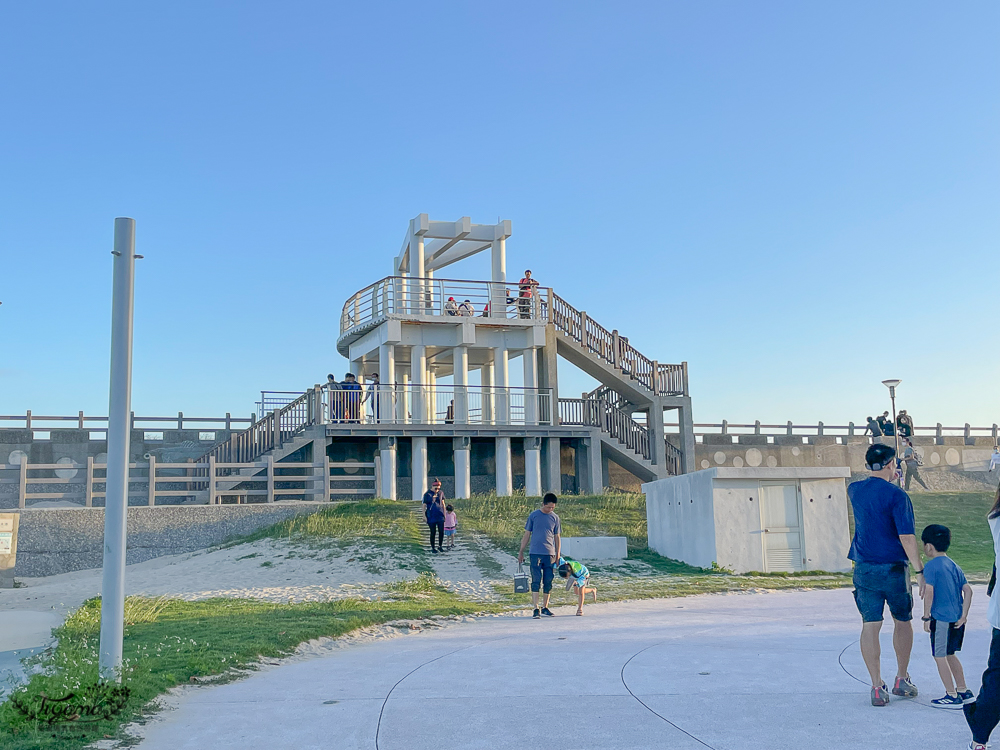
{"x": 268, "y": 432}
{"x": 601, "y": 414}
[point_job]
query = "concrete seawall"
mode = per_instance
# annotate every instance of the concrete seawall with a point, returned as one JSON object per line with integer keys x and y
{"x": 53, "y": 541}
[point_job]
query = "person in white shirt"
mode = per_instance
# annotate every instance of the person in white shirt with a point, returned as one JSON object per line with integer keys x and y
{"x": 995, "y": 458}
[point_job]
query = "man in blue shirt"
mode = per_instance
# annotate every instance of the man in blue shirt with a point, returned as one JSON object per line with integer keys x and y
{"x": 543, "y": 530}
{"x": 884, "y": 542}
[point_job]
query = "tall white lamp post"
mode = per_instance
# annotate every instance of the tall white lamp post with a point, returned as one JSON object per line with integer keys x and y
{"x": 891, "y": 385}
{"x": 119, "y": 410}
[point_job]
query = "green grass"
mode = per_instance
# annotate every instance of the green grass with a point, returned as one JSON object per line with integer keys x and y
{"x": 167, "y": 642}
{"x": 965, "y": 514}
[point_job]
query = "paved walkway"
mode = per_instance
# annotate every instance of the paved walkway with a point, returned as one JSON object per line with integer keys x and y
{"x": 739, "y": 672}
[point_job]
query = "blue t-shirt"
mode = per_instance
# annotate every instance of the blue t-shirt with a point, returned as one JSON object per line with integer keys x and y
{"x": 947, "y": 579}
{"x": 434, "y": 506}
{"x": 882, "y": 512}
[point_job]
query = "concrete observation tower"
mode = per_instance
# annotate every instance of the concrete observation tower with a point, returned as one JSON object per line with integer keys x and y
{"x": 448, "y": 352}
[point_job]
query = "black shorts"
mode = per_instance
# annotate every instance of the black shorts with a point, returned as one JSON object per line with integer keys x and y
{"x": 946, "y": 639}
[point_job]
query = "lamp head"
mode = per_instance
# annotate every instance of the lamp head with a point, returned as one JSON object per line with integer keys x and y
{"x": 891, "y": 383}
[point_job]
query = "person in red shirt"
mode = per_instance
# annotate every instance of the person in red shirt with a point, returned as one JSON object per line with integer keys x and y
{"x": 527, "y": 286}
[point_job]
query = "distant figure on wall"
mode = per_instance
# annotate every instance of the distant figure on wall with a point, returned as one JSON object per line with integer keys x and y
{"x": 885, "y": 424}
{"x": 873, "y": 428}
{"x": 336, "y": 407}
{"x": 466, "y": 310}
{"x": 451, "y": 307}
{"x": 904, "y": 424}
{"x": 528, "y": 287}
{"x": 351, "y": 394}
{"x": 995, "y": 458}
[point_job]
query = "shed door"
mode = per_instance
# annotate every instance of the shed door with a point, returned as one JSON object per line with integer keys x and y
{"x": 781, "y": 520}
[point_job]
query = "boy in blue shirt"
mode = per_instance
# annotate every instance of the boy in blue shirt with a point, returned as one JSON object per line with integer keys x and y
{"x": 947, "y": 600}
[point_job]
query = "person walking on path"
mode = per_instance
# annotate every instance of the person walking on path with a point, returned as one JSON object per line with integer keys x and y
{"x": 873, "y": 428}
{"x": 543, "y": 530}
{"x": 528, "y": 289}
{"x": 450, "y": 525}
{"x": 947, "y": 599}
{"x": 911, "y": 462}
{"x": 434, "y": 513}
{"x": 984, "y": 714}
{"x": 884, "y": 541}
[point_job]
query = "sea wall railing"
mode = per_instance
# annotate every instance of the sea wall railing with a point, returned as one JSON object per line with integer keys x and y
{"x": 45, "y": 423}
{"x": 208, "y": 482}
{"x": 407, "y": 295}
{"x": 821, "y": 429}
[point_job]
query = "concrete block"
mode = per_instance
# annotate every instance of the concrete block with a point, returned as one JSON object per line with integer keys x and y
{"x": 753, "y": 439}
{"x": 69, "y": 436}
{"x": 952, "y": 440}
{"x": 983, "y": 441}
{"x": 585, "y": 548}
{"x": 14, "y": 436}
{"x": 923, "y": 440}
{"x": 788, "y": 440}
{"x": 824, "y": 440}
{"x": 717, "y": 440}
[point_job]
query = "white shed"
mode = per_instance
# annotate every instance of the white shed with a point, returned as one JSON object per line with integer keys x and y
{"x": 771, "y": 520}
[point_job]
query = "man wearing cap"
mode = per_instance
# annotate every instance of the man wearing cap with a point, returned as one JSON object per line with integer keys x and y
{"x": 884, "y": 546}
{"x": 434, "y": 511}
{"x": 451, "y": 307}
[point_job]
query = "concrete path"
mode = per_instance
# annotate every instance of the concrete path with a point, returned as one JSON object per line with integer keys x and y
{"x": 765, "y": 671}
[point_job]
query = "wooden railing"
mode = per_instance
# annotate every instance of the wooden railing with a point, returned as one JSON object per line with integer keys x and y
{"x": 821, "y": 429}
{"x": 615, "y": 350}
{"x": 208, "y": 482}
{"x": 81, "y": 421}
{"x": 270, "y": 431}
{"x": 599, "y": 413}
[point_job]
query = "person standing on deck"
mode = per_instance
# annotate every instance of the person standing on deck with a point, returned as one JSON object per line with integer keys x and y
{"x": 528, "y": 289}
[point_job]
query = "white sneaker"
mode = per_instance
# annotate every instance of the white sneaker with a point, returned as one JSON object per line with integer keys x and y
{"x": 977, "y": 746}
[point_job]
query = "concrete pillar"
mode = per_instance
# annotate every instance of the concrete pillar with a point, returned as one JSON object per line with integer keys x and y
{"x": 434, "y": 413}
{"x": 548, "y": 374}
{"x": 685, "y": 421}
{"x": 501, "y": 375}
{"x": 384, "y": 402}
{"x": 418, "y": 383}
{"x": 399, "y": 389}
{"x": 657, "y": 440}
{"x": 589, "y": 469}
{"x": 498, "y": 294}
{"x": 463, "y": 466}
{"x": 489, "y": 402}
{"x": 461, "y": 357}
{"x": 387, "y": 466}
{"x": 505, "y": 480}
{"x": 417, "y": 269}
{"x": 605, "y": 472}
{"x": 553, "y": 465}
{"x": 529, "y": 363}
{"x": 419, "y": 465}
{"x": 533, "y": 466}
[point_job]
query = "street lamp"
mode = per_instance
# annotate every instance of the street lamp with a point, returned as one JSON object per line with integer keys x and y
{"x": 891, "y": 385}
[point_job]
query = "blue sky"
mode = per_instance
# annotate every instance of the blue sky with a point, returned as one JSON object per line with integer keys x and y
{"x": 799, "y": 199}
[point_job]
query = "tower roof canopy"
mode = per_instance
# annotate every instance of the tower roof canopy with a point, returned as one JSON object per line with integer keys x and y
{"x": 445, "y": 242}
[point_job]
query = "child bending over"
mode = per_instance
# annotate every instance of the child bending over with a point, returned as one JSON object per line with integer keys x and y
{"x": 577, "y": 577}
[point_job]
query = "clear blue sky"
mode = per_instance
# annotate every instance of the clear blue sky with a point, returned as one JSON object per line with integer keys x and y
{"x": 799, "y": 199}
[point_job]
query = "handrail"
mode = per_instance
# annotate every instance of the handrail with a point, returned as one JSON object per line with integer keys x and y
{"x": 615, "y": 350}
{"x": 820, "y": 429}
{"x": 30, "y": 421}
{"x": 415, "y": 296}
{"x": 267, "y": 433}
{"x": 599, "y": 413}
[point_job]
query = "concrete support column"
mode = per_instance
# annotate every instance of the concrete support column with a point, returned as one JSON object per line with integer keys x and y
{"x": 384, "y": 403}
{"x": 489, "y": 402}
{"x": 418, "y": 384}
{"x": 417, "y": 269}
{"x": 657, "y": 440}
{"x": 461, "y": 357}
{"x": 505, "y": 479}
{"x": 498, "y": 294}
{"x": 529, "y": 363}
{"x": 387, "y": 466}
{"x": 419, "y": 465}
{"x": 605, "y": 472}
{"x": 553, "y": 465}
{"x": 399, "y": 389}
{"x": 533, "y": 466}
{"x": 589, "y": 466}
{"x": 501, "y": 374}
{"x": 463, "y": 466}
{"x": 686, "y": 422}
{"x": 431, "y": 398}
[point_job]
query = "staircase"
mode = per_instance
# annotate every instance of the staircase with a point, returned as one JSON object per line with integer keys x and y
{"x": 626, "y": 440}
{"x": 610, "y": 358}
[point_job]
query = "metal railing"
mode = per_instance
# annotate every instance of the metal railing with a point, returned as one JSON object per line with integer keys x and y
{"x": 439, "y": 404}
{"x": 821, "y": 429}
{"x": 407, "y": 295}
{"x": 601, "y": 414}
{"x": 81, "y": 421}
{"x": 206, "y": 482}
{"x": 615, "y": 350}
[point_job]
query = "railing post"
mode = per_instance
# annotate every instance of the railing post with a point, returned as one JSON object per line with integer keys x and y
{"x": 80, "y": 420}
{"x": 131, "y": 420}
{"x": 88, "y": 487}
{"x": 790, "y": 428}
{"x": 994, "y": 433}
{"x": 229, "y": 421}
{"x": 277, "y": 428}
{"x": 326, "y": 479}
{"x": 211, "y": 481}
{"x": 654, "y": 379}
{"x": 615, "y": 349}
{"x": 756, "y": 427}
{"x": 180, "y": 420}
{"x": 725, "y": 427}
{"x": 968, "y": 431}
{"x": 27, "y": 420}
{"x": 939, "y": 431}
{"x": 152, "y": 480}
{"x": 269, "y": 460}
{"x": 22, "y": 480}
{"x": 819, "y": 428}
{"x": 583, "y": 328}
{"x": 850, "y": 429}
{"x": 684, "y": 367}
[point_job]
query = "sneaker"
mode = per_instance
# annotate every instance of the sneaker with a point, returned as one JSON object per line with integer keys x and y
{"x": 904, "y": 687}
{"x": 433, "y": 551}
{"x": 948, "y": 700}
{"x": 880, "y": 696}
{"x": 536, "y": 615}
{"x": 547, "y": 612}
{"x": 966, "y": 696}
{"x": 976, "y": 746}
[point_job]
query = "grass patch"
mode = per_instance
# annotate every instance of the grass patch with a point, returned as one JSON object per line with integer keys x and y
{"x": 965, "y": 514}
{"x": 168, "y": 641}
